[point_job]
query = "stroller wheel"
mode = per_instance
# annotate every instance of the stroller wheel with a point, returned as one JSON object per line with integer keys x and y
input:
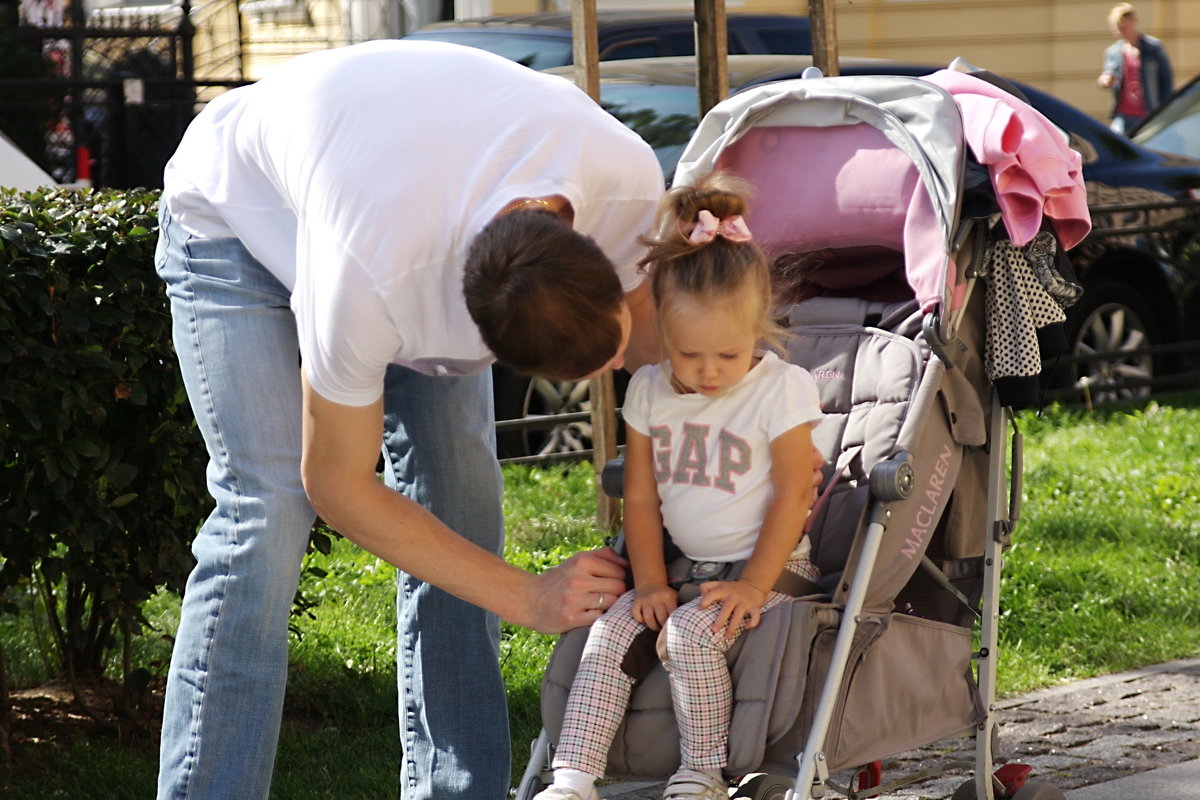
{"x": 966, "y": 790}
{"x": 1029, "y": 791}
{"x": 1038, "y": 791}
{"x": 766, "y": 787}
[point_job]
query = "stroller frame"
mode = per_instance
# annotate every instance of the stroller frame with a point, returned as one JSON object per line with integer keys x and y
{"x": 813, "y": 774}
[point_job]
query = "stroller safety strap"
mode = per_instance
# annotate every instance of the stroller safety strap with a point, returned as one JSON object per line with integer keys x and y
{"x": 686, "y": 575}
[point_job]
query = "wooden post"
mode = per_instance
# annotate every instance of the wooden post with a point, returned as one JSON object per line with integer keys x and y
{"x": 712, "y": 54}
{"x": 822, "y": 21}
{"x": 586, "y": 46}
{"x": 604, "y": 440}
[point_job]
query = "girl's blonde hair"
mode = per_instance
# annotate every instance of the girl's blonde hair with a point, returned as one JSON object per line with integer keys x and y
{"x": 712, "y": 269}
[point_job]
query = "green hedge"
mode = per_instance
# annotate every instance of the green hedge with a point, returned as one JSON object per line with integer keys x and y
{"x": 101, "y": 465}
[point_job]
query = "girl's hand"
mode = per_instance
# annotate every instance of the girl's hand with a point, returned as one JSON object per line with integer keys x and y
{"x": 653, "y": 604}
{"x": 740, "y": 602}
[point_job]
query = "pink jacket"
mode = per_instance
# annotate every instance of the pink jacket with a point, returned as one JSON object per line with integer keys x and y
{"x": 1033, "y": 171}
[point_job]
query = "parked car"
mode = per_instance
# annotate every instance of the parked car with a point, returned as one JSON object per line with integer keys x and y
{"x": 1174, "y": 127}
{"x": 1140, "y": 265}
{"x": 541, "y": 41}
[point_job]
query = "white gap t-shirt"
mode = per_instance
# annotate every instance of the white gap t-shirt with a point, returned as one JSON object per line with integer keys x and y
{"x": 712, "y": 455}
{"x": 359, "y": 176}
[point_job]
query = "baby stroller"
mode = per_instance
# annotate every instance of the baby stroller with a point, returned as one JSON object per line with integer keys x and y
{"x": 892, "y": 294}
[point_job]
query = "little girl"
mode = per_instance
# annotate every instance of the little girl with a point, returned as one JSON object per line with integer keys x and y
{"x": 719, "y": 452}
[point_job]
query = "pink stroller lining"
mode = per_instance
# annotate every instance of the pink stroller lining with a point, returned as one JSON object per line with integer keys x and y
{"x": 849, "y": 189}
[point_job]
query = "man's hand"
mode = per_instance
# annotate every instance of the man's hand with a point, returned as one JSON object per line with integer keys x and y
{"x": 576, "y": 592}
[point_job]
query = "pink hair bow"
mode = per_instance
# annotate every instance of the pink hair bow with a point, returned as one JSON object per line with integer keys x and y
{"x": 708, "y": 227}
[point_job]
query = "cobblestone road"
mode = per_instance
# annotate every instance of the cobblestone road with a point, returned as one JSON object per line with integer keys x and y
{"x": 1073, "y": 735}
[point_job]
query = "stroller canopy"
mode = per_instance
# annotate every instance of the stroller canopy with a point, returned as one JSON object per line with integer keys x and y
{"x": 894, "y": 180}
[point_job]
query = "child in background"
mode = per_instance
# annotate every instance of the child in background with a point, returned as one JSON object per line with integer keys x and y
{"x": 720, "y": 454}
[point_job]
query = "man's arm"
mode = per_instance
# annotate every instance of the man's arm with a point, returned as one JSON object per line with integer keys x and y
{"x": 340, "y": 448}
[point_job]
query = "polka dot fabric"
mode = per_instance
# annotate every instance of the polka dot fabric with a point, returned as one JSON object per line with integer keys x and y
{"x": 1018, "y": 305}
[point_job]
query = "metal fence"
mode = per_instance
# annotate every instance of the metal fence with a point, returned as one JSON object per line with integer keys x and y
{"x": 1182, "y": 372}
{"x": 1080, "y": 393}
{"x": 115, "y": 133}
{"x": 101, "y": 99}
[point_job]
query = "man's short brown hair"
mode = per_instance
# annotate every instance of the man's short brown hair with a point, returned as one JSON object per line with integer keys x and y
{"x": 545, "y": 297}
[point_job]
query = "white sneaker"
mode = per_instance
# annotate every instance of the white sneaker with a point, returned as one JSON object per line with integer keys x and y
{"x": 564, "y": 793}
{"x": 688, "y": 784}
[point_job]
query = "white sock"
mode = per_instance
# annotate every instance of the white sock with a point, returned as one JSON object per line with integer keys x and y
{"x": 578, "y": 780}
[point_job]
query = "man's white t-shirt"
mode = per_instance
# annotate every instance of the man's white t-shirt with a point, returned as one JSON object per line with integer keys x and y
{"x": 712, "y": 456}
{"x": 359, "y": 177}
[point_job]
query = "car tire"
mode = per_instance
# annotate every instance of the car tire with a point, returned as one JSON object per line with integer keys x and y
{"x": 1112, "y": 318}
{"x": 520, "y": 396}
{"x": 508, "y": 390}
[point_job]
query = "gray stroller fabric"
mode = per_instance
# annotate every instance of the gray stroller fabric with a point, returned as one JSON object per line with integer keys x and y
{"x": 909, "y": 681}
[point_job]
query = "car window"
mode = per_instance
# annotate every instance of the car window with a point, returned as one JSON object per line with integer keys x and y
{"x": 672, "y": 43}
{"x": 736, "y": 44}
{"x": 665, "y": 116}
{"x": 535, "y": 50}
{"x": 1175, "y": 128}
{"x": 785, "y": 40}
{"x": 680, "y": 43}
{"x": 633, "y": 48}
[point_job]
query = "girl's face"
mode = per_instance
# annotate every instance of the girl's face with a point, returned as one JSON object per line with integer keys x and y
{"x": 711, "y": 343}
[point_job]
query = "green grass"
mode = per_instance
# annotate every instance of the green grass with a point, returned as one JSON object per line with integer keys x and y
{"x": 1104, "y": 575}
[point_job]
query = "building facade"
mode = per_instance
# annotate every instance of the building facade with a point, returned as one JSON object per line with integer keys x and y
{"x": 1055, "y": 45}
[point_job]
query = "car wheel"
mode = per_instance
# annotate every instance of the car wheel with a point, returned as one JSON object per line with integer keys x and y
{"x": 545, "y": 397}
{"x": 520, "y": 396}
{"x": 1112, "y": 321}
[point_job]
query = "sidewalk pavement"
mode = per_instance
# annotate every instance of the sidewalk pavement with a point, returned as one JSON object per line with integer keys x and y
{"x": 1133, "y": 734}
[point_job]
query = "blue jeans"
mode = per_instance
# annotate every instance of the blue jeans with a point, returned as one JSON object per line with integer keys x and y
{"x": 235, "y": 337}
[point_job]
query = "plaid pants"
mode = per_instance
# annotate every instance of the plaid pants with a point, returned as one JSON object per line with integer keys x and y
{"x": 701, "y": 687}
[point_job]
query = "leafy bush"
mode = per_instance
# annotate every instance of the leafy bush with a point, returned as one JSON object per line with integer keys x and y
{"x": 101, "y": 466}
